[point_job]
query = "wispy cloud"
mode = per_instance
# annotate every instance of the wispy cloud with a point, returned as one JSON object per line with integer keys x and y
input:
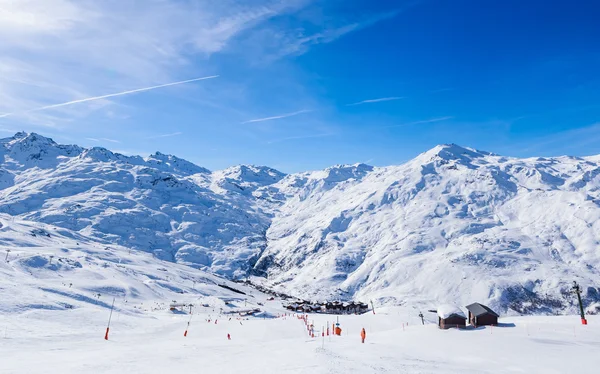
{"x": 438, "y": 119}
{"x": 62, "y": 50}
{"x": 129, "y": 92}
{"x": 290, "y": 43}
{"x": 165, "y": 135}
{"x": 55, "y": 52}
{"x": 377, "y": 100}
{"x": 432, "y": 120}
{"x": 277, "y": 117}
{"x": 300, "y": 137}
{"x": 97, "y": 140}
{"x": 110, "y": 140}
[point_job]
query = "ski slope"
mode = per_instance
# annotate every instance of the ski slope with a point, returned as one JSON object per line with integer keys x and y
{"x": 42, "y": 341}
{"x": 55, "y": 269}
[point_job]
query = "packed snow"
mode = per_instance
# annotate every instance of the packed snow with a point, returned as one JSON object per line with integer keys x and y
{"x": 43, "y": 341}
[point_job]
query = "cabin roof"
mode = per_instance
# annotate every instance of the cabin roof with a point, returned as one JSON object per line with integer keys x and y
{"x": 479, "y": 309}
{"x": 447, "y": 310}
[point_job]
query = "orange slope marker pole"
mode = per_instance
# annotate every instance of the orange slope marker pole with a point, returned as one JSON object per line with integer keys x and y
{"x": 188, "y": 325}
{"x": 109, "y": 317}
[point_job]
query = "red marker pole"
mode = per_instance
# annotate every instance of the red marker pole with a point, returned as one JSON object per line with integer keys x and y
{"x": 188, "y": 326}
{"x": 109, "y": 317}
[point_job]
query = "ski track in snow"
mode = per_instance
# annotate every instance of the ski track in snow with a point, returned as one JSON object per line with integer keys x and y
{"x": 72, "y": 341}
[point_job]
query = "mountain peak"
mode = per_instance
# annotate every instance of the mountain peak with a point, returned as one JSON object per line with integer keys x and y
{"x": 448, "y": 152}
{"x": 20, "y": 135}
{"x": 31, "y": 138}
{"x": 253, "y": 171}
{"x": 34, "y": 149}
{"x": 249, "y": 177}
{"x": 162, "y": 161}
{"x": 340, "y": 173}
{"x": 452, "y": 150}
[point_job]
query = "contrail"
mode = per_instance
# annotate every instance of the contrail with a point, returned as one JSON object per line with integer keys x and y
{"x": 107, "y": 96}
{"x": 377, "y": 100}
{"x": 165, "y": 135}
{"x": 278, "y": 117}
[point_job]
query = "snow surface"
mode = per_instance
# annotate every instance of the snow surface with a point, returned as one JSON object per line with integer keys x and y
{"x": 55, "y": 269}
{"x": 164, "y": 205}
{"x": 454, "y": 225}
{"x": 57, "y": 288}
{"x": 42, "y": 341}
{"x": 446, "y": 310}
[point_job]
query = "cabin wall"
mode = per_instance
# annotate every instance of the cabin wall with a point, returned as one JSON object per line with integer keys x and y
{"x": 452, "y": 321}
{"x": 486, "y": 320}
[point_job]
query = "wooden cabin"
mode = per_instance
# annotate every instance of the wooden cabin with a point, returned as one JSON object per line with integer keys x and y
{"x": 450, "y": 316}
{"x": 481, "y": 315}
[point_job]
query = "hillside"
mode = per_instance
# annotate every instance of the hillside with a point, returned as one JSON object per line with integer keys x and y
{"x": 162, "y": 204}
{"x": 52, "y": 269}
{"x": 452, "y": 225}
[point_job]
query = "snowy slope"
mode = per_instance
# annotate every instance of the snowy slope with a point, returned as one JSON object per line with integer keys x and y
{"x": 452, "y": 225}
{"x": 52, "y": 342}
{"x": 54, "y": 269}
{"x": 161, "y": 204}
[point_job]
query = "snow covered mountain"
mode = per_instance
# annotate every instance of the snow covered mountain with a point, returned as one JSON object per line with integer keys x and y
{"x": 453, "y": 225}
{"x": 47, "y": 268}
{"x": 162, "y": 204}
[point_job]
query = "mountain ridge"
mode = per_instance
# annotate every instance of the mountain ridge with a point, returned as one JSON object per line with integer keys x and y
{"x": 454, "y": 223}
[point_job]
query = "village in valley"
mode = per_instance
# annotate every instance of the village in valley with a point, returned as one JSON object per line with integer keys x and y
{"x": 335, "y": 307}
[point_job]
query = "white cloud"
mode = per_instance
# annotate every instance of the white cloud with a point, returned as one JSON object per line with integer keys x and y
{"x": 297, "y": 41}
{"x": 97, "y": 140}
{"x": 88, "y": 99}
{"x": 64, "y": 50}
{"x": 277, "y": 117}
{"x": 110, "y": 140}
{"x": 165, "y": 135}
{"x": 438, "y": 119}
{"x": 377, "y": 100}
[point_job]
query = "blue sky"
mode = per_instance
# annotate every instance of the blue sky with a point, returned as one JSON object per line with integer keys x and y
{"x": 305, "y": 84}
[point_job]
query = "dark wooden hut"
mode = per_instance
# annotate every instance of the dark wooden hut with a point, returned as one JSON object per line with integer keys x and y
{"x": 481, "y": 315}
{"x": 450, "y": 316}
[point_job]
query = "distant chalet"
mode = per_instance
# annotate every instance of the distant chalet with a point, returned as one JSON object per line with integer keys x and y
{"x": 481, "y": 315}
{"x": 450, "y": 316}
{"x": 334, "y": 307}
